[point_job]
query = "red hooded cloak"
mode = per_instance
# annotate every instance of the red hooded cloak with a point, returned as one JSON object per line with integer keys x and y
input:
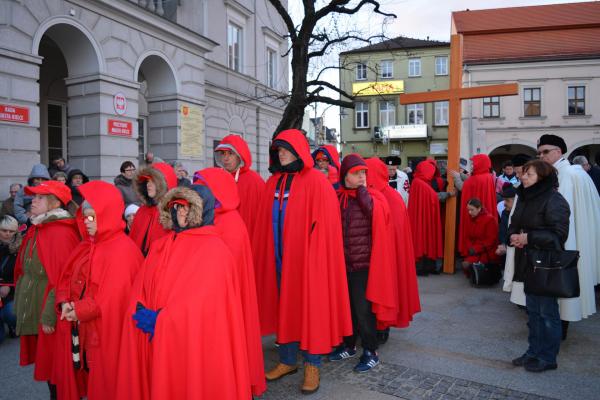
{"x": 146, "y": 228}
{"x": 424, "y": 213}
{"x": 483, "y": 238}
{"x": 233, "y": 231}
{"x": 199, "y": 346}
{"x": 479, "y": 185}
{"x": 313, "y": 306}
{"x": 408, "y": 288}
{"x": 250, "y": 184}
{"x": 98, "y": 279}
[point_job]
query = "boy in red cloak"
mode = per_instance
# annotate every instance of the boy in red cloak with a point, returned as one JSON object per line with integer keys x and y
{"x": 368, "y": 251}
{"x": 327, "y": 160}
{"x": 408, "y": 289}
{"x": 44, "y": 252}
{"x": 233, "y": 155}
{"x": 184, "y": 335}
{"x": 425, "y": 220}
{"x": 299, "y": 260}
{"x": 92, "y": 297}
{"x": 480, "y": 185}
{"x": 150, "y": 184}
{"x": 482, "y": 239}
{"x": 233, "y": 231}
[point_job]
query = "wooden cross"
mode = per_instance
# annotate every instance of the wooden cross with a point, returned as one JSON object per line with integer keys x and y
{"x": 454, "y": 96}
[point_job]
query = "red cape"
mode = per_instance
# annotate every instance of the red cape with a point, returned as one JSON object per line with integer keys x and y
{"x": 54, "y": 242}
{"x": 483, "y": 238}
{"x": 233, "y": 231}
{"x": 105, "y": 267}
{"x": 250, "y": 184}
{"x": 408, "y": 288}
{"x": 479, "y": 185}
{"x": 199, "y": 345}
{"x": 313, "y": 307}
{"x": 424, "y": 213}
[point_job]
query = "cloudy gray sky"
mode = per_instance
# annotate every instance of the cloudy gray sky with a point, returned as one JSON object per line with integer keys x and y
{"x": 416, "y": 19}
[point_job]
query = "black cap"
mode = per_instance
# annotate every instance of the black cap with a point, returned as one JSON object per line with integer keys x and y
{"x": 521, "y": 159}
{"x": 392, "y": 160}
{"x": 553, "y": 140}
{"x": 508, "y": 191}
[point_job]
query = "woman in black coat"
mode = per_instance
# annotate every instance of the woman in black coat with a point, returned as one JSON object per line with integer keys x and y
{"x": 540, "y": 220}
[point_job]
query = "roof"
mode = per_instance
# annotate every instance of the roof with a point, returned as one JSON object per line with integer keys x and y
{"x": 550, "y": 32}
{"x": 398, "y": 43}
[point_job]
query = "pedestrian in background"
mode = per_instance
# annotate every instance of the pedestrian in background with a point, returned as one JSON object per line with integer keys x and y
{"x": 124, "y": 182}
{"x": 8, "y": 205}
{"x": 22, "y": 203}
{"x": 10, "y": 240}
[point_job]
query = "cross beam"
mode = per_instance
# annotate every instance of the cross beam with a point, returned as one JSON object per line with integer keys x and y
{"x": 454, "y": 96}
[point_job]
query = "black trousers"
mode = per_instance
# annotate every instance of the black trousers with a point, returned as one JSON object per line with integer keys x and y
{"x": 364, "y": 323}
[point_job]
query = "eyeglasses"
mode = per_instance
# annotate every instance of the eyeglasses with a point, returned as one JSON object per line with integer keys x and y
{"x": 545, "y": 152}
{"x": 180, "y": 207}
{"x": 130, "y": 170}
{"x": 90, "y": 218}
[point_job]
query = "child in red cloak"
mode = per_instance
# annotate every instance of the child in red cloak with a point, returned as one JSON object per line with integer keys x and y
{"x": 301, "y": 279}
{"x": 150, "y": 184}
{"x": 184, "y": 335}
{"x": 92, "y": 296}
{"x": 408, "y": 289}
{"x": 370, "y": 265}
{"x": 233, "y": 231}
{"x": 327, "y": 160}
{"x": 233, "y": 155}
{"x": 482, "y": 238}
{"x": 480, "y": 185}
{"x": 44, "y": 252}
{"x": 425, "y": 221}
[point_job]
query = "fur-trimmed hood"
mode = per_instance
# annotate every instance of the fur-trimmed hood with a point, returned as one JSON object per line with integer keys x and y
{"x": 167, "y": 215}
{"x": 163, "y": 176}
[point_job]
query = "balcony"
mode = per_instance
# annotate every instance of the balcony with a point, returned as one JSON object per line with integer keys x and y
{"x": 163, "y": 8}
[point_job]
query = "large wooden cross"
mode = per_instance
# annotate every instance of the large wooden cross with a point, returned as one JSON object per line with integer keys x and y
{"x": 454, "y": 96}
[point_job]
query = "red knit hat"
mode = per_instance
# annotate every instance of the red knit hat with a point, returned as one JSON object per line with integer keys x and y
{"x": 56, "y": 188}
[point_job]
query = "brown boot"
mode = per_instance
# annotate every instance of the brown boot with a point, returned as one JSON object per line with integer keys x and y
{"x": 311, "y": 379}
{"x": 280, "y": 371}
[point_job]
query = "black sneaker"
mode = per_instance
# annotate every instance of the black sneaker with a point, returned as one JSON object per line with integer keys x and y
{"x": 521, "y": 361}
{"x": 535, "y": 365}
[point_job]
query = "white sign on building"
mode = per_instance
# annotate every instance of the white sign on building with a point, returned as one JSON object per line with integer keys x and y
{"x": 405, "y": 131}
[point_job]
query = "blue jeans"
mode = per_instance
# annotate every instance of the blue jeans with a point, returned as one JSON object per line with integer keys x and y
{"x": 545, "y": 329}
{"x": 288, "y": 355}
{"x": 8, "y": 317}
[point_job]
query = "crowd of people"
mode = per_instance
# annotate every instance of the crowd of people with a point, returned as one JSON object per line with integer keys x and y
{"x": 161, "y": 287}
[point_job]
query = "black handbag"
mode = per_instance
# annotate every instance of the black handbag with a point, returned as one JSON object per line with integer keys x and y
{"x": 484, "y": 275}
{"x": 552, "y": 272}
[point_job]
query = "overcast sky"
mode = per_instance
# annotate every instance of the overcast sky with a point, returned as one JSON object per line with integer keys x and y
{"x": 417, "y": 19}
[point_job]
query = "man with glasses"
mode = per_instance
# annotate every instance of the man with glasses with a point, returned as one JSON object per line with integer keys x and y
{"x": 592, "y": 170}
{"x": 584, "y": 227}
{"x": 8, "y": 205}
{"x": 124, "y": 182}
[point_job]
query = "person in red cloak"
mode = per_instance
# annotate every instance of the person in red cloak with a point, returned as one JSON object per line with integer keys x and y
{"x": 482, "y": 239}
{"x": 425, "y": 221}
{"x": 44, "y": 252}
{"x": 370, "y": 265}
{"x": 184, "y": 335}
{"x": 408, "y": 288}
{"x": 233, "y": 231}
{"x": 150, "y": 184}
{"x": 233, "y": 155}
{"x": 299, "y": 260}
{"x": 92, "y": 297}
{"x": 480, "y": 185}
{"x": 327, "y": 160}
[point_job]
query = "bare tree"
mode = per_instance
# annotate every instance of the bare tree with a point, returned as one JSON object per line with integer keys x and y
{"x": 316, "y": 35}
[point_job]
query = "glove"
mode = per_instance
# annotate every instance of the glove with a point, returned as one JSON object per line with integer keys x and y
{"x": 145, "y": 319}
{"x": 472, "y": 252}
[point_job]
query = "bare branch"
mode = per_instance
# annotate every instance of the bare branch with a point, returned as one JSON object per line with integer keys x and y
{"x": 329, "y": 100}
{"x": 281, "y": 10}
{"x": 336, "y": 6}
{"x": 330, "y": 86}
{"x": 341, "y": 39}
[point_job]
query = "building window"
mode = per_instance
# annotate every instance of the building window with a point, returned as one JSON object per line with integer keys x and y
{"x": 491, "y": 107}
{"x": 362, "y": 115}
{"x": 234, "y": 45}
{"x": 441, "y": 113}
{"x": 576, "y": 100}
{"x": 361, "y": 72}
{"x": 532, "y": 102}
{"x": 416, "y": 114}
{"x": 387, "y": 69}
{"x": 271, "y": 68}
{"x": 441, "y": 65}
{"x": 387, "y": 113}
{"x": 414, "y": 67}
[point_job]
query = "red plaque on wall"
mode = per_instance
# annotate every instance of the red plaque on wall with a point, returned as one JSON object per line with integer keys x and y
{"x": 120, "y": 128}
{"x": 12, "y": 113}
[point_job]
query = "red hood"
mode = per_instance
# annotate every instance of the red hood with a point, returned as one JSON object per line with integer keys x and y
{"x": 349, "y": 162}
{"x": 296, "y": 139}
{"x": 241, "y": 148}
{"x": 377, "y": 178}
{"x": 437, "y": 173}
{"x": 168, "y": 172}
{"x": 107, "y": 202}
{"x": 222, "y": 185}
{"x": 332, "y": 154}
{"x": 425, "y": 171}
{"x": 481, "y": 164}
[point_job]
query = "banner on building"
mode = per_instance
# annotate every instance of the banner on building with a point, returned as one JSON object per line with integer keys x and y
{"x": 120, "y": 128}
{"x": 418, "y": 131}
{"x": 377, "y": 88}
{"x": 12, "y": 113}
{"x": 192, "y": 131}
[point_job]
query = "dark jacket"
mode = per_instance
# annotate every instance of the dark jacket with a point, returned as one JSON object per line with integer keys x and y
{"x": 503, "y": 227}
{"x": 125, "y": 186}
{"x": 594, "y": 173}
{"x": 8, "y": 258}
{"x": 543, "y": 214}
{"x": 77, "y": 198}
{"x": 356, "y": 227}
{"x": 8, "y": 207}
